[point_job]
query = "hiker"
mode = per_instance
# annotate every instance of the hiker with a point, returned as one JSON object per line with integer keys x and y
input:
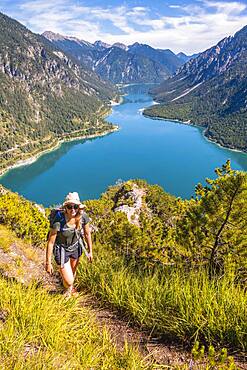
{"x": 66, "y": 242}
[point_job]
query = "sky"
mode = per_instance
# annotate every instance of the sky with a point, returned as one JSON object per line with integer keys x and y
{"x": 180, "y": 25}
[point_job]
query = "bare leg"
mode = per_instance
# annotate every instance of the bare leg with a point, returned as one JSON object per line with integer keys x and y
{"x": 67, "y": 275}
{"x": 74, "y": 263}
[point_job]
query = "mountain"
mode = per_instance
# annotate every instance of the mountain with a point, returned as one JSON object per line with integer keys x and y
{"x": 45, "y": 96}
{"x": 211, "y": 90}
{"x": 119, "y": 66}
{"x": 74, "y": 47}
{"x": 165, "y": 57}
{"x": 185, "y": 58}
{"x": 100, "y": 45}
{"x": 120, "y": 63}
{"x": 120, "y": 45}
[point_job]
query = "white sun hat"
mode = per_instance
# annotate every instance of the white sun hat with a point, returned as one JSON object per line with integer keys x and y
{"x": 72, "y": 198}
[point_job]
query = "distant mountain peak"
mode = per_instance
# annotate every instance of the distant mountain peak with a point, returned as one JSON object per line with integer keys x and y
{"x": 135, "y": 44}
{"x": 185, "y": 58}
{"x": 181, "y": 54}
{"x": 52, "y": 36}
{"x": 101, "y": 44}
{"x": 118, "y": 62}
{"x": 120, "y": 45}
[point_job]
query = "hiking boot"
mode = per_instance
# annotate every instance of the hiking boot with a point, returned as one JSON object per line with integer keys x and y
{"x": 74, "y": 292}
{"x": 71, "y": 292}
{"x": 67, "y": 293}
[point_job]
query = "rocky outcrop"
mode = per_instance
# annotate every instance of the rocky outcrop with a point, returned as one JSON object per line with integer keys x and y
{"x": 135, "y": 197}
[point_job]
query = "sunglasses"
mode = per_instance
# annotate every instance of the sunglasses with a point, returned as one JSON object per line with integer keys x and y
{"x": 72, "y": 206}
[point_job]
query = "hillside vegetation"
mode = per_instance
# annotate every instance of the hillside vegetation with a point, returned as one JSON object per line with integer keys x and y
{"x": 31, "y": 307}
{"x": 43, "y": 331}
{"x": 210, "y": 90}
{"x": 44, "y": 95}
{"x": 177, "y": 267}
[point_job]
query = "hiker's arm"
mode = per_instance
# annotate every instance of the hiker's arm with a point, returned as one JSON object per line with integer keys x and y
{"x": 87, "y": 236}
{"x": 50, "y": 244}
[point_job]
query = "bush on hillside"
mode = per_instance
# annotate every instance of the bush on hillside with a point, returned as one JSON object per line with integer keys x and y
{"x": 23, "y": 217}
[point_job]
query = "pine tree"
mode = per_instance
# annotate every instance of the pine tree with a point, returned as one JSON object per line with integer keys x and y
{"x": 214, "y": 228}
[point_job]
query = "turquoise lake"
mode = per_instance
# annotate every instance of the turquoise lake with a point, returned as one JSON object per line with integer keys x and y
{"x": 171, "y": 154}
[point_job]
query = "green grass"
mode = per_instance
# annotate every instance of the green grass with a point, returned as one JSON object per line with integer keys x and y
{"x": 182, "y": 305}
{"x": 42, "y": 331}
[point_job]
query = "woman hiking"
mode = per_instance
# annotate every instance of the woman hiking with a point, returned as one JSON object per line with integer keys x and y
{"x": 65, "y": 240}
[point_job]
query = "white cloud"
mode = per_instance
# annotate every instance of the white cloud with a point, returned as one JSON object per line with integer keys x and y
{"x": 195, "y": 27}
{"x": 232, "y": 8}
{"x": 40, "y": 5}
{"x": 175, "y": 6}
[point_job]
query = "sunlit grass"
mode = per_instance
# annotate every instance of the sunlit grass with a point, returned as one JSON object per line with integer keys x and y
{"x": 186, "y": 306}
{"x": 8, "y": 239}
{"x": 42, "y": 331}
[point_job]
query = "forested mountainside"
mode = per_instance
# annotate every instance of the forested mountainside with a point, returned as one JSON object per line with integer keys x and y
{"x": 44, "y": 94}
{"x": 119, "y": 63}
{"x": 211, "y": 90}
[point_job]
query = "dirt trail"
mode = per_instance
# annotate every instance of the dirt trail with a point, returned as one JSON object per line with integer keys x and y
{"x": 122, "y": 330}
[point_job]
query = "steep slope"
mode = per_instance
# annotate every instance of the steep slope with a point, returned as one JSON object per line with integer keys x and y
{"x": 165, "y": 57}
{"x": 83, "y": 51}
{"x": 48, "y": 329}
{"x": 211, "y": 90}
{"x": 44, "y": 94}
{"x": 120, "y": 63}
{"x": 119, "y": 66}
{"x": 22, "y": 265}
{"x": 156, "y": 271}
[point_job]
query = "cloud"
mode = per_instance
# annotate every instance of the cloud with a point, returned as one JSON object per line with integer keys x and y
{"x": 175, "y": 6}
{"x": 232, "y": 8}
{"x": 40, "y": 5}
{"x": 191, "y": 28}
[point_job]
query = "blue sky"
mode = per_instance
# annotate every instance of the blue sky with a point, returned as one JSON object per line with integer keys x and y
{"x": 180, "y": 25}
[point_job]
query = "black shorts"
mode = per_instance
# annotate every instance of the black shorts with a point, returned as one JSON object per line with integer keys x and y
{"x": 75, "y": 254}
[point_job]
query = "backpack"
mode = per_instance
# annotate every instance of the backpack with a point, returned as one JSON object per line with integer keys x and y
{"x": 57, "y": 215}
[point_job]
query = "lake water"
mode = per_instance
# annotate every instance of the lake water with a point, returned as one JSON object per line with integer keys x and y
{"x": 171, "y": 154}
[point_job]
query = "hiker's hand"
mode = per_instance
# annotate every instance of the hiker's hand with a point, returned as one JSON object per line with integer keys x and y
{"x": 90, "y": 257}
{"x": 49, "y": 268}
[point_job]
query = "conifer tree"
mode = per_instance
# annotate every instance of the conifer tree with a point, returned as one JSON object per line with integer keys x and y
{"x": 214, "y": 228}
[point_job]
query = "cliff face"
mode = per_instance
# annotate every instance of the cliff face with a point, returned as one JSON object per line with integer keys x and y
{"x": 44, "y": 93}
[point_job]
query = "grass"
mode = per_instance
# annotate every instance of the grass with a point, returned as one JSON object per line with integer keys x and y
{"x": 182, "y": 305}
{"x": 8, "y": 238}
{"x": 42, "y": 331}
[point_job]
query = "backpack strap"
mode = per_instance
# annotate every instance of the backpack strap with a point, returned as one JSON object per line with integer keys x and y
{"x": 61, "y": 219}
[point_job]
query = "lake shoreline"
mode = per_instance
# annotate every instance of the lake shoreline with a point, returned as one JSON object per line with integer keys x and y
{"x": 189, "y": 123}
{"x": 34, "y": 158}
{"x": 140, "y": 149}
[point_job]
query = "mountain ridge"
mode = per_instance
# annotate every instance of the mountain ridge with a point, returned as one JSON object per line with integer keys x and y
{"x": 210, "y": 90}
{"x": 136, "y": 63}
